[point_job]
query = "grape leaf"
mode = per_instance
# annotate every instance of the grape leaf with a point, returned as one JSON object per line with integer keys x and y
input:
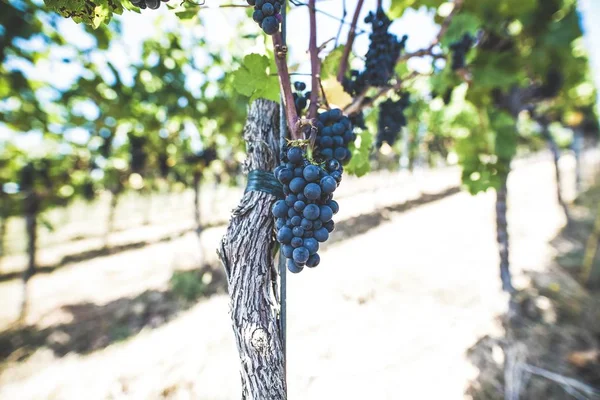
{"x": 331, "y": 63}
{"x": 359, "y": 165}
{"x": 463, "y": 22}
{"x": 91, "y": 12}
{"x": 252, "y": 78}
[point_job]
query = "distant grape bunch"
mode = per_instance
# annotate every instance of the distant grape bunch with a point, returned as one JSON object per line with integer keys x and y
{"x": 460, "y": 49}
{"x": 267, "y": 14}
{"x": 384, "y": 51}
{"x": 305, "y": 217}
{"x": 300, "y": 97}
{"x": 391, "y": 120}
{"x": 151, "y": 4}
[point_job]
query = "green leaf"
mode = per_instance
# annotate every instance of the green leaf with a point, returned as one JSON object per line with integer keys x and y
{"x": 398, "y": 7}
{"x": 463, "y": 22}
{"x": 331, "y": 63}
{"x": 186, "y": 14}
{"x": 252, "y": 79}
{"x": 359, "y": 165}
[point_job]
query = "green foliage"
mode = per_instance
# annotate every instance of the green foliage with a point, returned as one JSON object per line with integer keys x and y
{"x": 331, "y": 63}
{"x": 187, "y": 285}
{"x": 255, "y": 79}
{"x": 359, "y": 165}
{"x": 91, "y": 12}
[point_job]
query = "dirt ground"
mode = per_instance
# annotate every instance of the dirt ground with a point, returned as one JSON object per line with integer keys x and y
{"x": 401, "y": 296}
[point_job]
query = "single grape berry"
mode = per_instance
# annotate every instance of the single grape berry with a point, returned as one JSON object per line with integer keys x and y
{"x": 295, "y": 155}
{"x": 284, "y": 235}
{"x": 311, "y": 245}
{"x": 326, "y": 213}
{"x": 297, "y": 185}
{"x": 300, "y": 255}
{"x": 335, "y": 207}
{"x": 280, "y": 223}
{"x": 285, "y": 175}
{"x": 311, "y": 212}
{"x": 321, "y": 235}
{"x": 298, "y": 231}
{"x": 270, "y": 25}
{"x": 268, "y": 9}
{"x": 296, "y": 242}
{"x": 312, "y": 191}
{"x": 311, "y": 173}
{"x": 293, "y": 267}
{"x": 287, "y": 250}
{"x": 313, "y": 261}
{"x": 306, "y": 224}
{"x": 329, "y": 225}
{"x": 280, "y": 209}
{"x": 258, "y": 16}
{"x": 328, "y": 184}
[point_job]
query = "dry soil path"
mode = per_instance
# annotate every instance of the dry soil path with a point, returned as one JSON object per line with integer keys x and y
{"x": 388, "y": 315}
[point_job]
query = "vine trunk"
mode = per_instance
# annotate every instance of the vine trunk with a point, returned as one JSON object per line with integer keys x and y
{"x": 247, "y": 252}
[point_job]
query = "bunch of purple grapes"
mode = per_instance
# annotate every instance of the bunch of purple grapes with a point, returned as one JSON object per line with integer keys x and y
{"x": 460, "y": 49}
{"x": 305, "y": 217}
{"x": 384, "y": 50}
{"x": 151, "y": 4}
{"x": 301, "y": 97}
{"x": 267, "y": 14}
{"x": 391, "y": 120}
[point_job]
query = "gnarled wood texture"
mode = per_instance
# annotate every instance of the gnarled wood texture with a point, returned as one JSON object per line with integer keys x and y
{"x": 247, "y": 254}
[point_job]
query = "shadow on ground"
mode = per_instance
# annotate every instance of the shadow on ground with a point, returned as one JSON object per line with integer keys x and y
{"x": 551, "y": 345}
{"x": 363, "y": 223}
{"x": 93, "y": 327}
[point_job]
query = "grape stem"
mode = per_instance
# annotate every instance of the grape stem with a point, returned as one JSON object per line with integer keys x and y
{"x": 286, "y": 86}
{"x": 314, "y": 60}
{"x": 361, "y": 102}
{"x": 349, "y": 42}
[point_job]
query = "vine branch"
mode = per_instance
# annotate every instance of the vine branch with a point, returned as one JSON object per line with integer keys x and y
{"x": 286, "y": 85}
{"x": 314, "y": 60}
{"x": 349, "y": 42}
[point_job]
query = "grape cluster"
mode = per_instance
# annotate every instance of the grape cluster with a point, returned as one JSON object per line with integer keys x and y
{"x": 267, "y": 14}
{"x": 383, "y": 52}
{"x": 552, "y": 85}
{"x": 358, "y": 120}
{"x": 300, "y": 97}
{"x": 305, "y": 217}
{"x": 355, "y": 84}
{"x": 151, "y": 4}
{"x": 391, "y": 120}
{"x": 335, "y": 134}
{"x": 459, "y": 51}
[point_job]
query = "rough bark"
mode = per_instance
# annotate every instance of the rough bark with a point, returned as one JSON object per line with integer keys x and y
{"x": 30, "y": 208}
{"x": 502, "y": 237}
{"x": 556, "y": 156}
{"x": 247, "y": 254}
